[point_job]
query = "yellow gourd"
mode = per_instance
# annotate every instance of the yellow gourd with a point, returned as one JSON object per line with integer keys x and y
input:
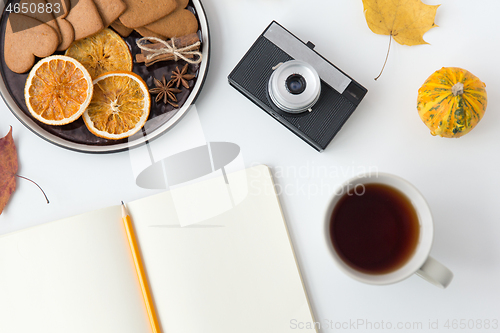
{"x": 451, "y": 102}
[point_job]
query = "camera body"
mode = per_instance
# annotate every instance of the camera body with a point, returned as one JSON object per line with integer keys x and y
{"x": 297, "y": 86}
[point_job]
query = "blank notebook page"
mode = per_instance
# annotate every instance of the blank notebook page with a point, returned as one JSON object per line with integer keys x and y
{"x": 234, "y": 272}
{"x": 73, "y": 275}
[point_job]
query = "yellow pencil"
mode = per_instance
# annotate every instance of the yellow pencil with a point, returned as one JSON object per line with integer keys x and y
{"x": 141, "y": 272}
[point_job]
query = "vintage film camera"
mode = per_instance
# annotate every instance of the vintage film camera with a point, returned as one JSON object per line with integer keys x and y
{"x": 297, "y": 86}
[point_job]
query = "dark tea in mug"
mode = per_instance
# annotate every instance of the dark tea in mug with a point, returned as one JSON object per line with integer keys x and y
{"x": 375, "y": 231}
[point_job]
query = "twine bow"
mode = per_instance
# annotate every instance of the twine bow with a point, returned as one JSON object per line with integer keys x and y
{"x": 178, "y": 53}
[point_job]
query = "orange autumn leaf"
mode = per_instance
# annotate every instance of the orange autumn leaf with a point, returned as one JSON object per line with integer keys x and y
{"x": 405, "y": 20}
{"x": 8, "y": 169}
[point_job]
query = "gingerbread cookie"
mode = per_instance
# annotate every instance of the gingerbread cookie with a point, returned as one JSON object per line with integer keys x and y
{"x": 110, "y": 10}
{"x": 65, "y": 28}
{"x": 121, "y": 29}
{"x": 85, "y": 18}
{"x": 142, "y": 12}
{"x": 180, "y": 23}
{"x": 43, "y": 15}
{"x": 182, "y": 3}
{"x": 144, "y": 32}
{"x": 67, "y": 34}
{"x": 33, "y": 38}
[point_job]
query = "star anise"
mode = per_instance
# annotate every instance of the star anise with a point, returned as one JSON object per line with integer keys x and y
{"x": 181, "y": 77}
{"x": 165, "y": 91}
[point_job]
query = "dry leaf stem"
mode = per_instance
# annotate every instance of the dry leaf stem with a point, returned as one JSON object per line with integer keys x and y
{"x": 45, "y": 195}
{"x": 386, "y": 57}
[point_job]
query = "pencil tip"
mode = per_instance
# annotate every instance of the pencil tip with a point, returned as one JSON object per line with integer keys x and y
{"x": 122, "y": 203}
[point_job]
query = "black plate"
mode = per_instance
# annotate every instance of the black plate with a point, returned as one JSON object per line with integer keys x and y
{"x": 75, "y": 136}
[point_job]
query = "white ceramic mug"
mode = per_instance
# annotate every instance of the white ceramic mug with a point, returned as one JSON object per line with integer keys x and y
{"x": 420, "y": 262}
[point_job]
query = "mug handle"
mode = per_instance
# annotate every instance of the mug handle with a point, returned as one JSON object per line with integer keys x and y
{"x": 435, "y": 272}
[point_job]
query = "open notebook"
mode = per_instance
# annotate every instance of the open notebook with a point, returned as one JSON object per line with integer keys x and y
{"x": 234, "y": 272}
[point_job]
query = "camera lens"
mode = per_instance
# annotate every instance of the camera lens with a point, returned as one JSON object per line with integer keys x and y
{"x": 294, "y": 87}
{"x": 296, "y": 84}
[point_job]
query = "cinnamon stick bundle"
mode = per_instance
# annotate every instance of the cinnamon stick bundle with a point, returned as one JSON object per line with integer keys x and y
{"x": 180, "y": 42}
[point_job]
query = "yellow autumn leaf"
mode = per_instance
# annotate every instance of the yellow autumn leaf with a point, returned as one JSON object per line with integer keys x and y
{"x": 405, "y": 20}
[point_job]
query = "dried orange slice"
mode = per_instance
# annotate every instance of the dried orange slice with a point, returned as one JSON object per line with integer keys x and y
{"x": 58, "y": 90}
{"x": 101, "y": 53}
{"x": 119, "y": 107}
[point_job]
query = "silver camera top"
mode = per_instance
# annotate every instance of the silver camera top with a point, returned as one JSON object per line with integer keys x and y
{"x": 287, "y": 42}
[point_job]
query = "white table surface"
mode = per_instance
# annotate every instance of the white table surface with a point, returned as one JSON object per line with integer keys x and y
{"x": 459, "y": 177}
